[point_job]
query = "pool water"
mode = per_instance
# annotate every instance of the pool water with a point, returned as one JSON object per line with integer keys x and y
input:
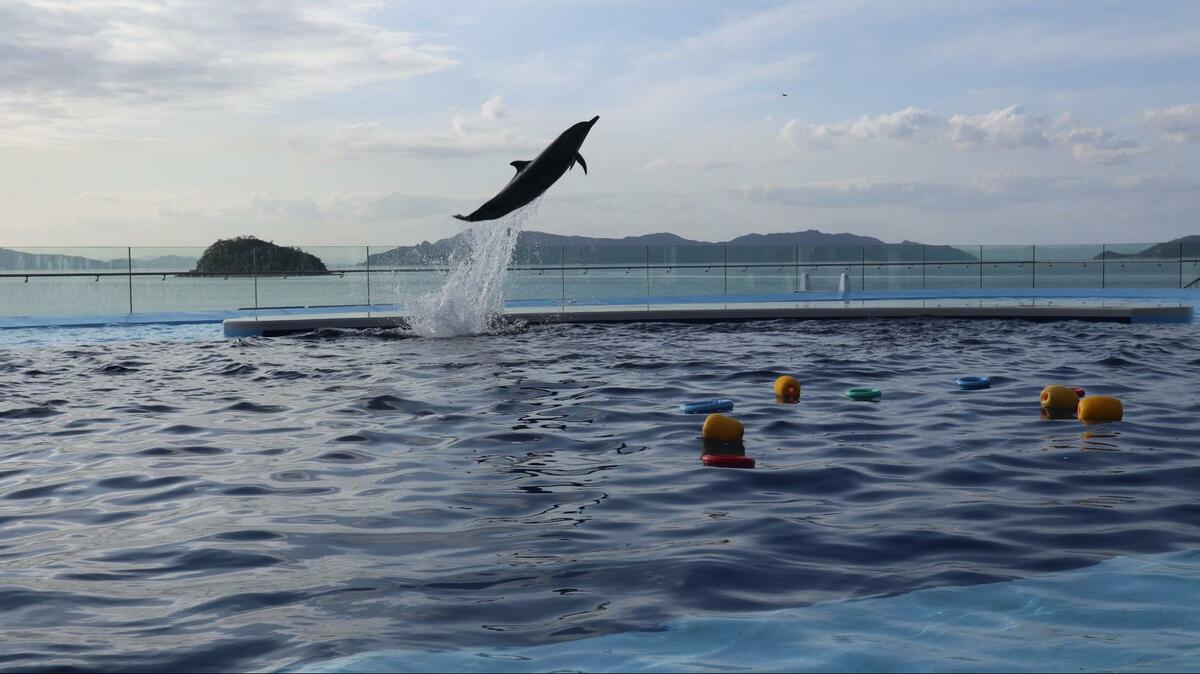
{"x": 365, "y": 500}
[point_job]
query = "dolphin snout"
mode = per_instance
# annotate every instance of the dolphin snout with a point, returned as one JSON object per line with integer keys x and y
{"x": 594, "y": 120}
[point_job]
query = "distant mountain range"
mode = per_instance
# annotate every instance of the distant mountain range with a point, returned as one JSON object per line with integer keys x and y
{"x": 426, "y": 252}
{"x": 15, "y": 260}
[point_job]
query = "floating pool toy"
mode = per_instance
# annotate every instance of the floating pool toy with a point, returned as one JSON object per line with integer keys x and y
{"x": 722, "y": 428}
{"x": 1098, "y": 409}
{"x": 1079, "y": 391}
{"x": 1059, "y": 397}
{"x": 707, "y": 406}
{"x": 863, "y": 393}
{"x": 974, "y": 383}
{"x": 727, "y": 461}
{"x": 787, "y": 389}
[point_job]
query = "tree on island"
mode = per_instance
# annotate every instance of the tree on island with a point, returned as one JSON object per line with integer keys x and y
{"x": 249, "y": 254}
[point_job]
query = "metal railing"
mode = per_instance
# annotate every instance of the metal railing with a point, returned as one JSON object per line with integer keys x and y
{"x": 136, "y": 280}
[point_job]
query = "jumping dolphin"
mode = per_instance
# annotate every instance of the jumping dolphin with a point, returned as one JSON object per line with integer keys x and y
{"x": 535, "y": 177}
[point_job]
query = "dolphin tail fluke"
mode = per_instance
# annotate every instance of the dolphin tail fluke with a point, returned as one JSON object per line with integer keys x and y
{"x": 581, "y": 162}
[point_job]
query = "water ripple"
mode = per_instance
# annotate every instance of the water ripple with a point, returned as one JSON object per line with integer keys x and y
{"x": 266, "y": 502}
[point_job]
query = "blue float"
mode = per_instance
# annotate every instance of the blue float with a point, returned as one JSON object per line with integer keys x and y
{"x": 974, "y": 383}
{"x": 707, "y": 406}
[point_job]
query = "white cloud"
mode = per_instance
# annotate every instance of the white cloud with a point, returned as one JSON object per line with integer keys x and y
{"x": 1006, "y": 128}
{"x": 70, "y": 67}
{"x": 662, "y": 164}
{"x": 1180, "y": 123}
{"x": 467, "y": 135}
{"x": 493, "y": 108}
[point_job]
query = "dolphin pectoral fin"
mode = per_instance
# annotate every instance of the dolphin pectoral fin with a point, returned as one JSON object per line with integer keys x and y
{"x": 519, "y": 165}
{"x": 579, "y": 158}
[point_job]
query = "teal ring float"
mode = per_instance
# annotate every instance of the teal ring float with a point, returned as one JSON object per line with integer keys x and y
{"x": 974, "y": 383}
{"x": 707, "y": 406}
{"x": 863, "y": 393}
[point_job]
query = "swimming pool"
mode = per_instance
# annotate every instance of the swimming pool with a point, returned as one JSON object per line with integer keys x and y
{"x": 530, "y": 499}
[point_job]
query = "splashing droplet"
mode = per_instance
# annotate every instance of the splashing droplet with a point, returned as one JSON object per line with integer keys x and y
{"x": 471, "y": 301}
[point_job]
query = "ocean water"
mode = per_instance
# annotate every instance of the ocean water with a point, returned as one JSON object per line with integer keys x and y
{"x": 197, "y": 504}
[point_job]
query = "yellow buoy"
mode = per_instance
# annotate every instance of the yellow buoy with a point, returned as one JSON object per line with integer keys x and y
{"x": 1098, "y": 409}
{"x": 1059, "y": 398}
{"x": 722, "y": 429}
{"x": 787, "y": 389}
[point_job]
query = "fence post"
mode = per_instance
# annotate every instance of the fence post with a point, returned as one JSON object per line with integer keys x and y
{"x": 647, "y": 263}
{"x": 725, "y": 255}
{"x": 368, "y": 278}
{"x": 129, "y": 260}
{"x": 254, "y": 273}
{"x": 562, "y": 273}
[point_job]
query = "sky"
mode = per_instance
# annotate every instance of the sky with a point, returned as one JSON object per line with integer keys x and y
{"x": 356, "y": 122}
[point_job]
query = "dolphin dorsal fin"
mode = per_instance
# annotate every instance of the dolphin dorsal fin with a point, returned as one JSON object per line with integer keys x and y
{"x": 519, "y": 165}
{"x": 579, "y": 158}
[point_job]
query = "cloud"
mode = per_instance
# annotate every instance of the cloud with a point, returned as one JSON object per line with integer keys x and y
{"x": 1006, "y": 128}
{"x": 493, "y": 108}
{"x": 68, "y": 66}
{"x": 662, "y": 164}
{"x": 467, "y": 135}
{"x": 1180, "y": 123}
{"x": 990, "y": 192}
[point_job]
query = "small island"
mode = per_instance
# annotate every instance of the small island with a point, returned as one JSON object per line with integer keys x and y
{"x": 251, "y": 255}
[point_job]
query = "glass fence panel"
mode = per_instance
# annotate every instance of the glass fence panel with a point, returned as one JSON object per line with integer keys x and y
{"x": 1000, "y": 275}
{"x": 605, "y": 256}
{"x": 326, "y": 289}
{"x": 674, "y": 256}
{"x": 953, "y": 253}
{"x": 1069, "y": 253}
{"x": 951, "y": 276}
{"x": 1190, "y": 274}
{"x": 1140, "y": 274}
{"x": 43, "y": 295}
{"x": 826, "y": 277}
{"x": 760, "y": 279}
{"x": 896, "y": 276}
{"x": 166, "y": 279}
{"x": 686, "y": 281}
{"x": 64, "y": 260}
{"x": 763, "y": 255}
{"x": 524, "y": 283}
{"x": 595, "y": 283}
{"x": 399, "y": 286}
{"x": 1068, "y": 274}
{"x": 1006, "y": 253}
{"x": 536, "y": 256}
{"x": 424, "y": 256}
{"x": 894, "y": 252}
{"x": 1142, "y": 251}
{"x": 853, "y": 254}
{"x": 311, "y": 276}
{"x": 60, "y": 281}
{"x": 1190, "y": 249}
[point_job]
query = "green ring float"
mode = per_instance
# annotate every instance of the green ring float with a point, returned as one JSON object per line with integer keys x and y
{"x": 863, "y": 393}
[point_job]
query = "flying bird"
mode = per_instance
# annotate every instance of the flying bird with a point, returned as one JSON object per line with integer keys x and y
{"x": 536, "y": 176}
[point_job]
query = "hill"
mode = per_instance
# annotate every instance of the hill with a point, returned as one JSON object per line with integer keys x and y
{"x": 247, "y": 254}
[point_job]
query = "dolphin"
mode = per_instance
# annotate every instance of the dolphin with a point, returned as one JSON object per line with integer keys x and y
{"x": 535, "y": 177}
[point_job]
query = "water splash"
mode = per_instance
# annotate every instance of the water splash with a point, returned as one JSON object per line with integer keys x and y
{"x": 471, "y": 300}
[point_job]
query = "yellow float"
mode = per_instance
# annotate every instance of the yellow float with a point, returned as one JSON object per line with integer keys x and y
{"x": 1098, "y": 409}
{"x": 1059, "y": 398}
{"x": 787, "y": 389}
{"x": 722, "y": 429}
